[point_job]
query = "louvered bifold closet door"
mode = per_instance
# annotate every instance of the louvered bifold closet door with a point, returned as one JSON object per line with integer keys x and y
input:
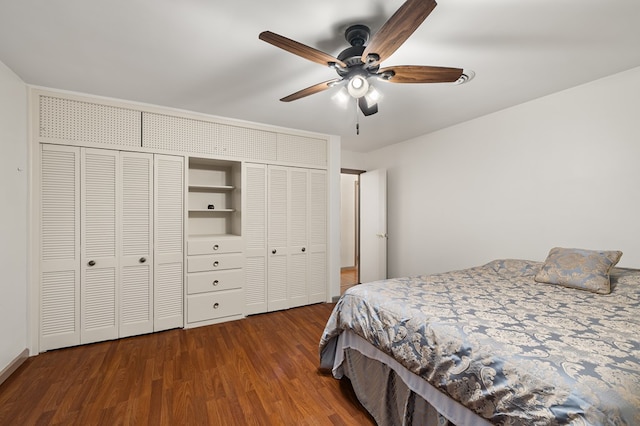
{"x": 59, "y": 247}
{"x": 99, "y": 248}
{"x": 277, "y": 228}
{"x": 317, "y": 250}
{"x": 298, "y": 230}
{"x": 168, "y": 242}
{"x": 136, "y": 244}
{"x": 254, "y": 233}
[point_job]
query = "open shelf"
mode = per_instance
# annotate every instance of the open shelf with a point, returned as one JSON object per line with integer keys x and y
{"x": 216, "y": 183}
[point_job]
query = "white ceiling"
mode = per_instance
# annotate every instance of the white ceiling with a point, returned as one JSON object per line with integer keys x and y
{"x": 205, "y": 56}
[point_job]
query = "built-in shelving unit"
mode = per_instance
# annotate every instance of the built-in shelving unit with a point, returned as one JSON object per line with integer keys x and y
{"x": 215, "y": 260}
{"x": 213, "y": 198}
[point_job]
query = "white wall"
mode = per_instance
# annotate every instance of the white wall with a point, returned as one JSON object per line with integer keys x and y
{"x": 352, "y": 160}
{"x": 562, "y": 170}
{"x": 13, "y": 216}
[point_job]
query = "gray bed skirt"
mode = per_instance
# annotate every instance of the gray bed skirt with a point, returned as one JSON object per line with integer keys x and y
{"x": 392, "y": 394}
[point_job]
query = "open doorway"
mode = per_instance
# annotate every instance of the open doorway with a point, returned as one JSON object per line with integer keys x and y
{"x": 349, "y": 228}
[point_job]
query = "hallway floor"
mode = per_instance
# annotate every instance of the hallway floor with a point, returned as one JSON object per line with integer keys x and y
{"x": 348, "y": 278}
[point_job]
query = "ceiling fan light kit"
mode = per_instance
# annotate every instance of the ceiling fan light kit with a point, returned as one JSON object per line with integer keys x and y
{"x": 358, "y": 64}
{"x": 358, "y": 86}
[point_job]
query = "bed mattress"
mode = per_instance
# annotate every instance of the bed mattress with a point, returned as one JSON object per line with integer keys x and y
{"x": 511, "y": 350}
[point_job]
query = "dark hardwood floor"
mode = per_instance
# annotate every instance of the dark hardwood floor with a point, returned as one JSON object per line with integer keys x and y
{"x": 261, "y": 370}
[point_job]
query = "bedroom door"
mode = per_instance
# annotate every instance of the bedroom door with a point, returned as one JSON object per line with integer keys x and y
{"x": 373, "y": 225}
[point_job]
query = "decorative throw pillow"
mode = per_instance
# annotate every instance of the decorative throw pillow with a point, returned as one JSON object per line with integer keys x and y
{"x": 578, "y": 268}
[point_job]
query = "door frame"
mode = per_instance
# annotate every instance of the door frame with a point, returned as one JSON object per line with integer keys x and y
{"x": 357, "y": 172}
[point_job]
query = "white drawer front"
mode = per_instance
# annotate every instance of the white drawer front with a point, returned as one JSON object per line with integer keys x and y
{"x": 215, "y": 281}
{"x": 214, "y": 245}
{"x": 219, "y": 304}
{"x": 214, "y": 263}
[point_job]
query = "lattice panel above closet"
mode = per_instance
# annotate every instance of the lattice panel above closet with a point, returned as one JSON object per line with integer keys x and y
{"x": 78, "y": 121}
{"x": 303, "y": 150}
{"x": 206, "y": 137}
{"x": 247, "y": 143}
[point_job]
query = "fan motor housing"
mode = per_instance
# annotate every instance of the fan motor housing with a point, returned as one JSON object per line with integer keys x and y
{"x": 351, "y": 56}
{"x": 357, "y": 36}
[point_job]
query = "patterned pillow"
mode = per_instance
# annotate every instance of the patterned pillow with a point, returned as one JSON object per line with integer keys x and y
{"x": 577, "y": 268}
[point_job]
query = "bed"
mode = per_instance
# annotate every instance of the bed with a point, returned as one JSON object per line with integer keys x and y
{"x": 505, "y": 343}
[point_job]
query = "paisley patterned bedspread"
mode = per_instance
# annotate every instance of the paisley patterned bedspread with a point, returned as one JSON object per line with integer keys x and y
{"x": 514, "y": 351}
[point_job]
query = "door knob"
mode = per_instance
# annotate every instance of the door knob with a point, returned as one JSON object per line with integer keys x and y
{"x": 142, "y": 259}
{"x": 304, "y": 249}
{"x": 91, "y": 263}
{"x": 274, "y": 251}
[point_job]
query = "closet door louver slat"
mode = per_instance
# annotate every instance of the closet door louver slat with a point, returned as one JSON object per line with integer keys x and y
{"x": 136, "y": 257}
{"x": 99, "y": 248}
{"x": 298, "y": 225}
{"x": 278, "y": 193}
{"x": 60, "y": 247}
{"x": 255, "y": 237}
{"x": 317, "y": 260}
{"x": 169, "y": 242}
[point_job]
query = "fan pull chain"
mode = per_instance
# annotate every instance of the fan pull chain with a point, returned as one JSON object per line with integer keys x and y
{"x": 357, "y": 119}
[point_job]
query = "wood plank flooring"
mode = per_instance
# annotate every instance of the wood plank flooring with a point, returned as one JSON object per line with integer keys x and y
{"x": 348, "y": 278}
{"x": 261, "y": 370}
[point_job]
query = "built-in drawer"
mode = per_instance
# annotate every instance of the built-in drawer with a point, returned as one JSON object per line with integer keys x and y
{"x": 218, "y": 304}
{"x": 202, "y": 282}
{"x": 215, "y": 262}
{"x": 214, "y": 245}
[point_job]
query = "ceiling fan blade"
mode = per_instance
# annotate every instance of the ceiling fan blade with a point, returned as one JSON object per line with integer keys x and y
{"x": 316, "y": 88}
{"x": 304, "y": 51}
{"x": 367, "y": 109}
{"x": 420, "y": 74}
{"x": 398, "y": 28}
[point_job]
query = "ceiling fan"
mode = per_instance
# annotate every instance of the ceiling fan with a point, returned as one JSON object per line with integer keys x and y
{"x": 357, "y": 64}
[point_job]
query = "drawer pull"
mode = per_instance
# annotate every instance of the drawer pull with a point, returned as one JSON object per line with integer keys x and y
{"x": 91, "y": 263}
{"x": 216, "y": 247}
{"x": 303, "y": 249}
{"x": 274, "y": 251}
{"x": 216, "y": 305}
{"x": 215, "y": 264}
{"x": 142, "y": 259}
{"x": 215, "y": 282}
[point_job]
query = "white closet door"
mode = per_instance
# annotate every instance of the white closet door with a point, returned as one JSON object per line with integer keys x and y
{"x": 99, "y": 248}
{"x": 136, "y": 243}
{"x": 254, "y": 184}
{"x": 169, "y": 242}
{"x": 317, "y": 248}
{"x": 277, "y": 228}
{"x": 298, "y": 230}
{"x": 60, "y": 247}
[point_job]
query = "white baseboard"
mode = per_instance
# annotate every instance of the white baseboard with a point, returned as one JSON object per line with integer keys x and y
{"x": 13, "y": 365}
